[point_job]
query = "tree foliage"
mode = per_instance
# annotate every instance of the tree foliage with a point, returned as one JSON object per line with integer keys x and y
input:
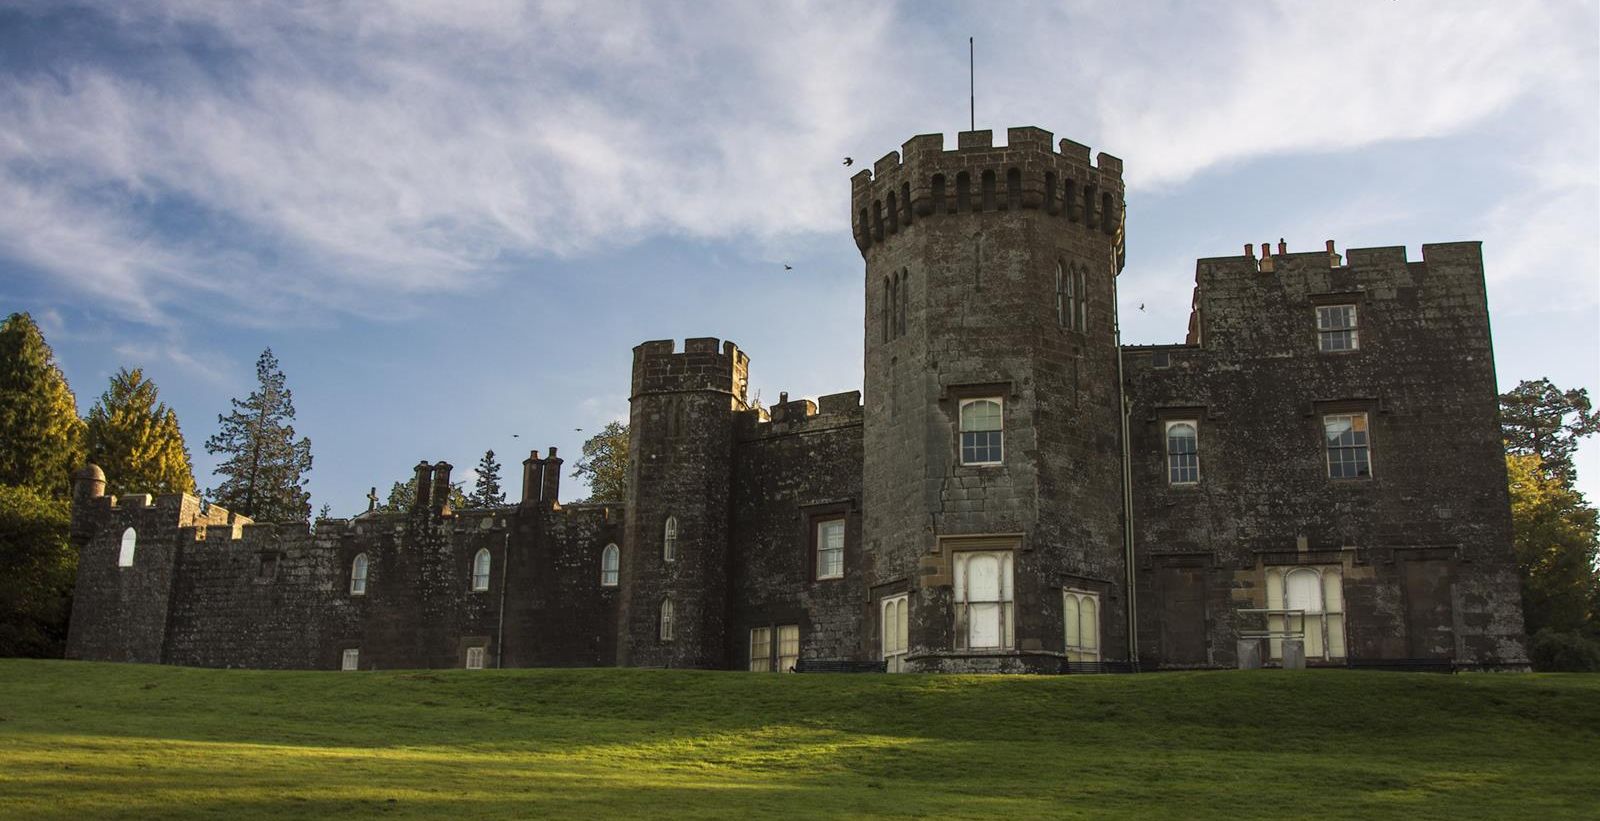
{"x": 487, "y": 492}
{"x": 37, "y": 570}
{"x": 402, "y": 494}
{"x": 41, "y": 436}
{"x": 1556, "y": 537}
{"x": 136, "y": 439}
{"x": 264, "y": 472}
{"x": 604, "y": 464}
{"x": 1539, "y": 419}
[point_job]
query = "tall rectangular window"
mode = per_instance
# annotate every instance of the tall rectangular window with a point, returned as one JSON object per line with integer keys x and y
{"x": 475, "y": 658}
{"x": 982, "y": 438}
{"x": 1081, "y": 617}
{"x": 983, "y": 597}
{"x": 830, "y": 549}
{"x": 1183, "y": 452}
{"x": 1347, "y": 443}
{"x": 761, "y": 650}
{"x": 788, "y": 647}
{"x": 892, "y": 629}
{"x": 1336, "y": 328}
{"x": 351, "y": 660}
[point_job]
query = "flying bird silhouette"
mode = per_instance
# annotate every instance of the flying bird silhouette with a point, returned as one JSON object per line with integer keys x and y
{"x": 1141, "y": 306}
{"x": 848, "y": 161}
{"x": 788, "y": 267}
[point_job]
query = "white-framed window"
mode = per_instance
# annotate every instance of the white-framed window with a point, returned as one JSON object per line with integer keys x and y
{"x": 475, "y": 658}
{"x": 1308, "y": 600}
{"x": 1081, "y": 616}
{"x": 1183, "y": 452}
{"x": 788, "y": 647}
{"x": 669, "y": 540}
{"x": 610, "y": 565}
{"x": 982, "y": 434}
{"x": 668, "y": 616}
{"x": 351, "y": 660}
{"x": 130, "y": 540}
{"x": 760, "y": 649}
{"x": 1348, "y": 445}
{"x": 830, "y": 549}
{"x": 983, "y": 597}
{"x": 1336, "y": 328}
{"x": 358, "y": 575}
{"x": 480, "y": 570}
{"x": 893, "y": 621}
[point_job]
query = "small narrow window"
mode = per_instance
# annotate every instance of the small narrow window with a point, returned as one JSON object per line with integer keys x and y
{"x": 892, "y": 202}
{"x": 1061, "y": 296}
{"x": 1108, "y": 213}
{"x": 981, "y": 432}
{"x": 1183, "y": 453}
{"x": 669, "y": 540}
{"x": 1050, "y": 192}
{"x": 937, "y": 184}
{"x": 788, "y": 647}
{"x": 1088, "y": 205}
{"x": 475, "y": 658}
{"x": 894, "y": 306}
{"x": 1081, "y": 613}
{"x": 1069, "y": 200}
{"x": 1013, "y": 189}
{"x": 1083, "y": 302}
{"x": 905, "y": 202}
{"x": 358, "y": 575}
{"x": 130, "y": 540}
{"x": 480, "y": 571}
{"x": 267, "y": 566}
{"x": 761, "y": 650}
{"x": 1346, "y": 436}
{"x": 905, "y": 301}
{"x": 830, "y": 549}
{"x": 888, "y": 303}
{"x": 1336, "y": 328}
{"x": 610, "y": 564}
{"x": 1071, "y": 300}
{"x": 351, "y": 660}
{"x": 988, "y": 191}
{"x": 963, "y": 192}
{"x": 667, "y": 619}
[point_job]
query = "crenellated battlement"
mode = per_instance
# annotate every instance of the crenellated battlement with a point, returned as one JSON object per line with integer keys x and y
{"x": 923, "y": 181}
{"x": 800, "y": 415}
{"x": 704, "y": 364}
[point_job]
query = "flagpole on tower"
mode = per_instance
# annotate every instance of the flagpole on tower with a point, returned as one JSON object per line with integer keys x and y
{"x": 972, "y": 85}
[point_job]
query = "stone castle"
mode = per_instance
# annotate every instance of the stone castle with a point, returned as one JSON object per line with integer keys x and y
{"x": 1314, "y": 475}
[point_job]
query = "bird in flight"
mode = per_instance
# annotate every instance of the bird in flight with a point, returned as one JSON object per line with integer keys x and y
{"x": 788, "y": 267}
{"x": 848, "y": 161}
{"x": 579, "y": 430}
{"x": 516, "y": 435}
{"x": 1141, "y": 306}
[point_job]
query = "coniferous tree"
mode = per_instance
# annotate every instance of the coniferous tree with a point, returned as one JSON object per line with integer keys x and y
{"x": 41, "y": 436}
{"x": 1537, "y": 418}
{"x": 37, "y": 570}
{"x": 136, "y": 440}
{"x": 605, "y": 464}
{"x": 487, "y": 493}
{"x": 264, "y": 472}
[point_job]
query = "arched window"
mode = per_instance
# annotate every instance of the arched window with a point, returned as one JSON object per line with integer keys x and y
{"x": 358, "y": 575}
{"x": 1069, "y": 199}
{"x": 1050, "y": 192}
{"x": 610, "y": 563}
{"x": 905, "y": 201}
{"x": 1013, "y": 189}
{"x": 877, "y": 220}
{"x": 988, "y": 190}
{"x": 1307, "y": 601}
{"x": 1088, "y": 205}
{"x": 892, "y": 202}
{"x": 667, "y": 616}
{"x": 1081, "y": 614}
{"x": 669, "y": 540}
{"x": 480, "y": 571}
{"x": 1108, "y": 213}
{"x": 1183, "y": 453}
{"x": 982, "y": 436}
{"x": 129, "y": 541}
{"x": 963, "y": 192}
{"x": 937, "y": 186}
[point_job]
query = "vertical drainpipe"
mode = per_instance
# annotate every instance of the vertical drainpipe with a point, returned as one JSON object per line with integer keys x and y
{"x": 1127, "y": 459}
{"x": 505, "y": 575}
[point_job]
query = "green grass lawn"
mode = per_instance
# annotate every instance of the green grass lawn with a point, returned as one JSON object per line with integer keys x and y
{"x": 102, "y": 740}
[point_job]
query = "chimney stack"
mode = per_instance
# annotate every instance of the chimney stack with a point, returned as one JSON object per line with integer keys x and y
{"x": 424, "y": 489}
{"x": 552, "y": 479}
{"x": 532, "y": 477}
{"x": 441, "y": 488}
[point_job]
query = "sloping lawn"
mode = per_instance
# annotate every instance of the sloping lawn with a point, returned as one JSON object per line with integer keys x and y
{"x": 100, "y": 740}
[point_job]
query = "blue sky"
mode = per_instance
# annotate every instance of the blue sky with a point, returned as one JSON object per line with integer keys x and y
{"x": 452, "y": 221}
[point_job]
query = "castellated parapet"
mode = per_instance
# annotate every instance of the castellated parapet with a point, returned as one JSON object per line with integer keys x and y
{"x": 1012, "y": 490}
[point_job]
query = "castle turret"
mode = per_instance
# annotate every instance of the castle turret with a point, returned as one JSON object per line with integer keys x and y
{"x": 992, "y": 424}
{"x": 680, "y": 448}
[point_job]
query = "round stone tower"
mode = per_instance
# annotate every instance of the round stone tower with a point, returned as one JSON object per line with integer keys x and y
{"x": 992, "y": 476}
{"x": 674, "y": 569}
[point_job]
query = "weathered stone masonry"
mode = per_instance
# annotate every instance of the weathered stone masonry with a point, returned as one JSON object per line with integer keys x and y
{"x": 1012, "y": 473}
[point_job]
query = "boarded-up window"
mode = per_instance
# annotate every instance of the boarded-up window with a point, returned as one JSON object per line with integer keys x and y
{"x": 983, "y": 600}
{"x": 1307, "y": 603}
{"x": 892, "y": 627}
{"x": 130, "y": 540}
{"x": 351, "y": 660}
{"x": 1081, "y": 618}
{"x": 475, "y": 658}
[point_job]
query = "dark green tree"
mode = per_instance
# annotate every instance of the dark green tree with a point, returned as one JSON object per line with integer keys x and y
{"x": 604, "y": 464}
{"x": 1556, "y": 537}
{"x": 136, "y": 439}
{"x": 37, "y": 570}
{"x": 264, "y": 467}
{"x": 41, "y": 436}
{"x": 487, "y": 492}
{"x": 1537, "y": 418}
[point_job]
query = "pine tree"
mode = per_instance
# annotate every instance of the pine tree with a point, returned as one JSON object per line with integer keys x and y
{"x": 41, "y": 436}
{"x": 487, "y": 493}
{"x": 265, "y": 466}
{"x": 1537, "y": 418}
{"x": 136, "y": 440}
{"x": 605, "y": 464}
